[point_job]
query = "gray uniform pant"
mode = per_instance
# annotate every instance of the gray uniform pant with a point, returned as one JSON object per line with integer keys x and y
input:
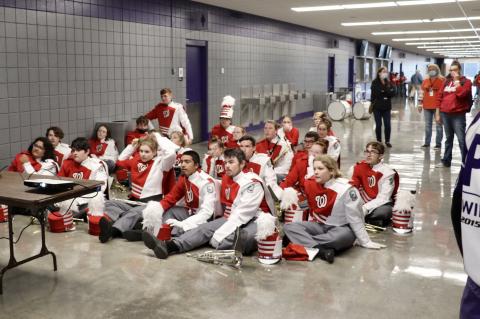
{"x": 381, "y": 213}
{"x": 123, "y": 215}
{"x": 201, "y": 235}
{"x": 176, "y": 212}
{"x": 312, "y": 234}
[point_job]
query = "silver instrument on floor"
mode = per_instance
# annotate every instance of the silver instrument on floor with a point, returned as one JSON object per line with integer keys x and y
{"x": 360, "y": 110}
{"x": 220, "y": 257}
{"x": 230, "y": 257}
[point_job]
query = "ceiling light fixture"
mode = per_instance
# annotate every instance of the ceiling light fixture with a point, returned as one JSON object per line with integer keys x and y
{"x": 435, "y": 38}
{"x": 414, "y": 21}
{"x": 441, "y": 42}
{"x": 436, "y": 47}
{"x": 425, "y": 31}
{"x": 374, "y": 5}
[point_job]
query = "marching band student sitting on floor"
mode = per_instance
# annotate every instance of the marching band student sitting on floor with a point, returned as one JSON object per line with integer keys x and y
{"x": 80, "y": 166}
{"x": 238, "y": 133}
{"x": 277, "y": 149}
{"x": 214, "y": 161}
{"x": 319, "y": 117}
{"x": 171, "y": 116}
{"x": 178, "y": 139}
{"x": 336, "y": 217}
{"x": 377, "y": 184}
{"x": 289, "y": 132}
{"x": 243, "y": 196}
{"x": 200, "y": 201}
{"x": 260, "y": 164}
{"x": 103, "y": 147}
{"x": 140, "y": 131}
{"x": 302, "y": 169}
{"x": 62, "y": 150}
{"x": 147, "y": 173}
{"x": 224, "y": 130}
{"x": 308, "y": 140}
{"x": 334, "y": 147}
{"x": 38, "y": 159}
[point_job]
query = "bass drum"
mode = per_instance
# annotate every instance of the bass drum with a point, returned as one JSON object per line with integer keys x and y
{"x": 339, "y": 110}
{"x": 360, "y": 110}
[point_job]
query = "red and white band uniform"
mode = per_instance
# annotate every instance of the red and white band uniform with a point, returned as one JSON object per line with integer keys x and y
{"x": 200, "y": 201}
{"x": 47, "y": 167}
{"x": 243, "y": 198}
{"x": 291, "y": 136}
{"x": 335, "y": 219}
{"x": 334, "y": 147}
{"x": 225, "y": 135}
{"x": 131, "y": 135}
{"x": 261, "y": 165}
{"x": 301, "y": 170}
{"x": 214, "y": 166}
{"x": 280, "y": 154}
{"x": 147, "y": 178}
{"x": 171, "y": 117}
{"x": 62, "y": 152}
{"x": 377, "y": 186}
{"x": 103, "y": 149}
{"x": 89, "y": 169}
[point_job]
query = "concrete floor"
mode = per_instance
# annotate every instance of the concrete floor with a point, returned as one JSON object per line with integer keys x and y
{"x": 416, "y": 276}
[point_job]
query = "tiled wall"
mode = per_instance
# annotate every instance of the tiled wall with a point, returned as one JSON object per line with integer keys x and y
{"x": 73, "y": 63}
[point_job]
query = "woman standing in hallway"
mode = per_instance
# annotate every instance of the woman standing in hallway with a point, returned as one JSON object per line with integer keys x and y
{"x": 454, "y": 101}
{"x": 432, "y": 88}
{"x": 382, "y": 93}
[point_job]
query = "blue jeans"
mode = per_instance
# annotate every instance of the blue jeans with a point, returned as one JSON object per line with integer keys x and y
{"x": 386, "y": 116}
{"x": 454, "y": 124}
{"x": 429, "y": 114}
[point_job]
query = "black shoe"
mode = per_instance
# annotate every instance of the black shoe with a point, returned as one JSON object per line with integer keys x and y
{"x": 106, "y": 230}
{"x": 160, "y": 250}
{"x": 159, "y": 247}
{"x": 133, "y": 235}
{"x": 388, "y": 144}
{"x": 437, "y": 147}
{"x": 149, "y": 240}
{"x": 425, "y": 146}
{"x": 327, "y": 254}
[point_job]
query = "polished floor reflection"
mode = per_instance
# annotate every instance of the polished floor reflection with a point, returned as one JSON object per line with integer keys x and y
{"x": 417, "y": 276}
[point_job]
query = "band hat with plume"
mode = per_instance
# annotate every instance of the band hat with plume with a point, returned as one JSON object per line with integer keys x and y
{"x": 227, "y": 107}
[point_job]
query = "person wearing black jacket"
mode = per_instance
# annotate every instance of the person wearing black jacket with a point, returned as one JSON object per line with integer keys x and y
{"x": 382, "y": 92}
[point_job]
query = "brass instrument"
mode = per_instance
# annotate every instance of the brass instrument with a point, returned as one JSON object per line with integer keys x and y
{"x": 230, "y": 257}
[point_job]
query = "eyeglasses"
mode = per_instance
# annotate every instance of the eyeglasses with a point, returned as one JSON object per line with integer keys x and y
{"x": 40, "y": 147}
{"x": 366, "y": 152}
{"x": 308, "y": 141}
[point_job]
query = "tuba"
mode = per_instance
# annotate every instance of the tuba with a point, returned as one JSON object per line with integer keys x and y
{"x": 230, "y": 257}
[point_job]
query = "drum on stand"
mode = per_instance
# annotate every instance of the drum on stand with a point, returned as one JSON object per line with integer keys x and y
{"x": 360, "y": 110}
{"x": 339, "y": 110}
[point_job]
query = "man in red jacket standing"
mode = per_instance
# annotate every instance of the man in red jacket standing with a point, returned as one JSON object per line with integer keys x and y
{"x": 454, "y": 101}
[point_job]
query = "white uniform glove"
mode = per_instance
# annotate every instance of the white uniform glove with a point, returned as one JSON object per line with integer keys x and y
{"x": 175, "y": 223}
{"x": 373, "y": 245}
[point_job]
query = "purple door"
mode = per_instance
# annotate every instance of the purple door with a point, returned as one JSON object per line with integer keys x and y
{"x": 350, "y": 73}
{"x": 331, "y": 73}
{"x": 196, "y": 74}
